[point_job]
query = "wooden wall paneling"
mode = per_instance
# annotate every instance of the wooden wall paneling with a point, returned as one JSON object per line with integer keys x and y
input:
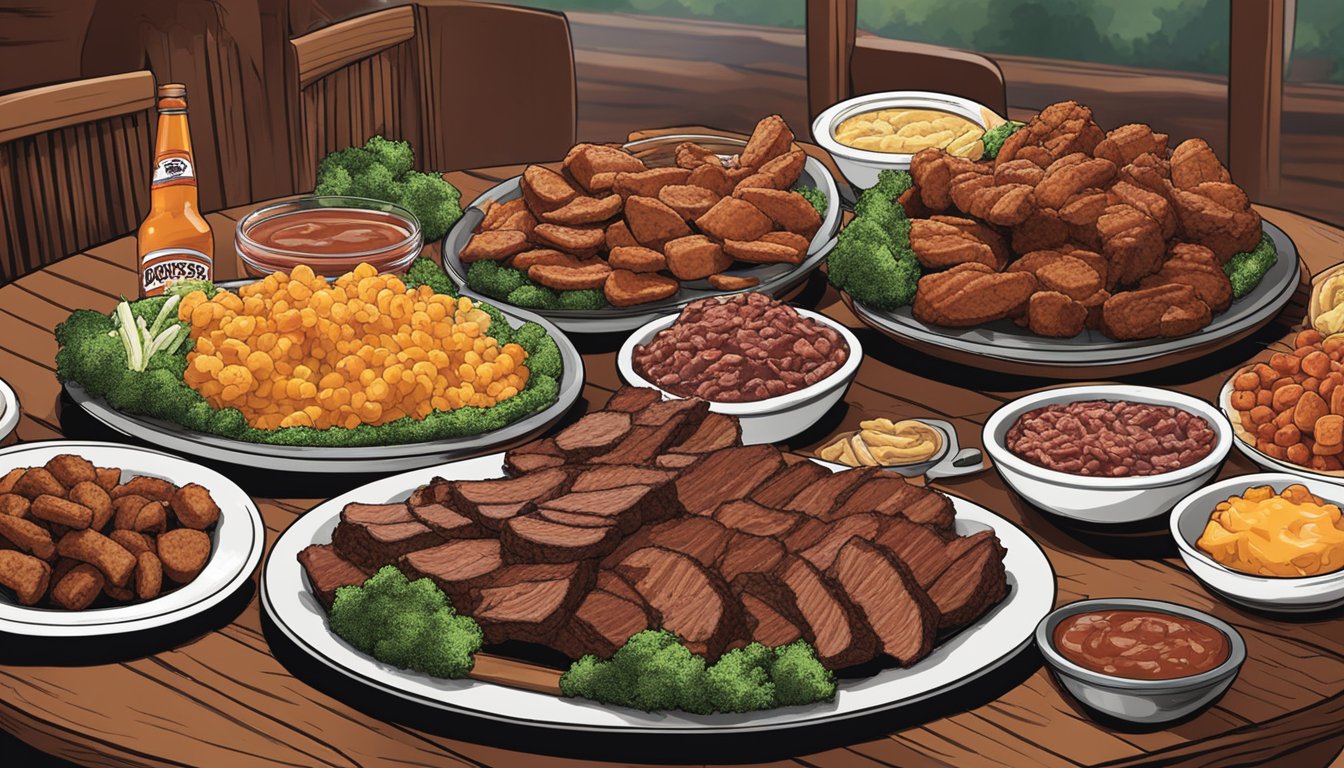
{"x": 830, "y": 44}
{"x": 38, "y": 110}
{"x": 1255, "y": 95}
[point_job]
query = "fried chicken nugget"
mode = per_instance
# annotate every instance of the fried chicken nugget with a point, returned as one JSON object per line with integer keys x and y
{"x": 1197, "y": 267}
{"x": 134, "y": 541}
{"x": 733, "y": 282}
{"x": 498, "y": 213}
{"x": 653, "y": 222}
{"x": 14, "y": 505}
{"x": 1071, "y": 174}
{"x": 148, "y": 575}
{"x": 1155, "y": 206}
{"x": 761, "y": 252}
{"x": 755, "y": 181}
{"x": 11, "y": 477}
{"x": 495, "y": 245}
{"x": 1194, "y": 162}
{"x": 545, "y": 190}
{"x": 690, "y": 155}
{"x": 1041, "y": 231}
{"x": 785, "y": 169}
{"x": 618, "y": 235}
{"x": 940, "y": 244}
{"x": 529, "y": 259}
{"x": 1122, "y": 145}
{"x": 25, "y": 574}
{"x": 626, "y": 289}
{"x": 793, "y": 240}
{"x": 54, "y": 509}
{"x": 183, "y": 552}
{"x": 592, "y": 275}
{"x": 695, "y": 257}
{"x": 590, "y": 164}
{"x": 734, "y": 219}
{"x": 585, "y": 210}
{"x": 649, "y": 183}
{"x": 120, "y": 594}
{"x": 69, "y": 469}
{"x": 789, "y": 210}
{"x": 27, "y": 536}
{"x": 107, "y": 477}
{"x": 637, "y": 258}
{"x": 78, "y": 588}
{"x": 770, "y": 139}
{"x": 577, "y": 240}
{"x": 688, "y": 200}
{"x": 152, "y": 488}
{"x": 972, "y": 294}
{"x": 711, "y": 177}
{"x": 38, "y": 482}
{"x": 1165, "y": 310}
{"x": 194, "y": 507}
{"x": 151, "y": 517}
{"x": 1051, "y": 313}
{"x": 96, "y": 499}
{"x": 94, "y": 548}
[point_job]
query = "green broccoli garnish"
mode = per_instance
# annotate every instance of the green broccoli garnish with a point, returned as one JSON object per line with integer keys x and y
{"x": 876, "y": 208}
{"x": 87, "y": 354}
{"x": 395, "y": 156}
{"x": 425, "y": 271}
{"x": 872, "y": 260}
{"x": 228, "y": 422}
{"x": 532, "y": 296}
{"x": 377, "y": 183}
{"x": 493, "y": 280}
{"x": 1247, "y": 268}
{"x": 408, "y": 624}
{"x": 352, "y": 160}
{"x": 183, "y": 287}
{"x": 585, "y": 299}
{"x": 382, "y": 170}
{"x": 994, "y": 138}
{"x": 654, "y": 671}
{"x": 434, "y": 201}
{"x": 543, "y": 354}
{"x": 814, "y": 196}
{"x": 892, "y": 184}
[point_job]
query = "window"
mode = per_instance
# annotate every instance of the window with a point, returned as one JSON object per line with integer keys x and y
{"x": 1311, "y": 154}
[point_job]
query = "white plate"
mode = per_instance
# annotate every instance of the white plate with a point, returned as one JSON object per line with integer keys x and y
{"x": 10, "y": 410}
{"x": 236, "y": 545}
{"x": 1264, "y": 460}
{"x": 971, "y": 654}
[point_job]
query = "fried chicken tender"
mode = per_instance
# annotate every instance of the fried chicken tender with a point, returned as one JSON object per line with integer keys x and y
{"x": 25, "y": 574}
{"x": 648, "y": 183}
{"x": 762, "y": 252}
{"x": 1155, "y": 206}
{"x": 1051, "y": 313}
{"x": 1148, "y": 171}
{"x": 733, "y": 282}
{"x": 618, "y": 235}
{"x": 1070, "y": 175}
{"x": 938, "y": 245}
{"x": 585, "y": 210}
{"x": 1041, "y": 231}
{"x": 1204, "y": 220}
{"x": 1124, "y": 144}
{"x": 792, "y": 240}
{"x": 537, "y": 256}
{"x": 1197, "y": 267}
{"x": 932, "y": 171}
{"x": 711, "y": 177}
{"x": 582, "y": 241}
{"x": 770, "y": 139}
{"x": 783, "y": 171}
{"x": 545, "y": 190}
{"x": 1058, "y": 130}
{"x": 972, "y": 294}
{"x": 637, "y": 258}
{"x": 1131, "y": 242}
{"x": 626, "y": 289}
{"x": 1166, "y": 310}
{"x": 695, "y": 257}
{"x": 1018, "y": 172}
{"x": 690, "y": 155}
{"x": 688, "y": 200}
{"x": 1193, "y": 162}
{"x": 498, "y": 213}
{"x": 586, "y": 162}
{"x": 652, "y": 222}
{"x": 1061, "y": 273}
{"x": 563, "y": 278}
{"x": 985, "y": 233}
{"x": 788, "y": 209}
{"x": 734, "y": 219}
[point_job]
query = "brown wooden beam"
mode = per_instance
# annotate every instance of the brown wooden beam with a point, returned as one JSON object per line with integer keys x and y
{"x": 49, "y": 108}
{"x": 1255, "y": 95}
{"x": 830, "y": 43}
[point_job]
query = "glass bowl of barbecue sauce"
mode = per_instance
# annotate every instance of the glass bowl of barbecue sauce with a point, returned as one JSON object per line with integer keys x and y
{"x": 1142, "y": 661}
{"x": 331, "y": 234}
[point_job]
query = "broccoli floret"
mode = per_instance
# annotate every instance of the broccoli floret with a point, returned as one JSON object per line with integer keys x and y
{"x": 533, "y": 296}
{"x": 489, "y": 278}
{"x": 740, "y": 680}
{"x": 408, "y": 624}
{"x": 425, "y": 271}
{"x": 814, "y": 196}
{"x": 877, "y": 208}
{"x": 798, "y": 677}
{"x": 872, "y": 274}
{"x": 128, "y": 394}
{"x": 163, "y": 394}
{"x": 652, "y": 671}
{"x": 352, "y": 160}
{"x": 994, "y": 138}
{"x": 87, "y": 355}
{"x": 892, "y": 184}
{"x": 434, "y": 201}
{"x": 182, "y": 288}
{"x": 543, "y": 355}
{"x": 228, "y": 422}
{"x": 376, "y": 183}
{"x": 588, "y": 298}
{"x": 1247, "y": 268}
{"x": 396, "y": 156}
{"x": 335, "y": 180}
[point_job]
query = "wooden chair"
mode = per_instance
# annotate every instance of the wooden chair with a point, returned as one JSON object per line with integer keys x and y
{"x": 74, "y": 167}
{"x": 468, "y": 84}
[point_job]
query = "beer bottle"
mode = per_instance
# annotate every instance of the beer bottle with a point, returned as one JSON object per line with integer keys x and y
{"x": 174, "y": 242}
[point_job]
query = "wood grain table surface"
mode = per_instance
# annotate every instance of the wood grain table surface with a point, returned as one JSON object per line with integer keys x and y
{"x": 215, "y": 693}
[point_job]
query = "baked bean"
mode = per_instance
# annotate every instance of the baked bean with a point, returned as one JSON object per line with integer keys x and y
{"x": 1100, "y": 438}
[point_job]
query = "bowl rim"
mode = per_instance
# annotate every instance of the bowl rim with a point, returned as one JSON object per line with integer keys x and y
{"x": 1236, "y": 646}
{"x": 776, "y": 404}
{"x": 266, "y": 211}
{"x": 823, "y": 127}
{"x": 1007, "y": 414}
{"x": 1237, "y": 485}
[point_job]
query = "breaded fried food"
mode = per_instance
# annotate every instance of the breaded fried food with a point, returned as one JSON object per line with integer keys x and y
{"x": 618, "y": 235}
{"x": 78, "y": 587}
{"x": 755, "y": 181}
{"x": 591, "y": 275}
{"x": 626, "y": 289}
{"x": 38, "y": 482}
{"x": 1197, "y": 267}
{"x": 972, "y": 294}
{"x": 497, "y": 213}
{"x": 1051, "y": 313}
{"x": 148, "y": 575}
{"x": 688, "y": 200}
{"x": 649, "y": 183}
{"x": 1122, "y": 145}
{"x": 733, "y": 282}
{"x": 933, "y": 170}
{"x": 1085, "y": 207}
{"x": 1131, "y": 242}
{"x": 545, "y": 190}
{"x": 1058, "y": 130}
{"x": 690, "y": 155}
{"x": 10, "y": 478}
{"x": 1006, "y": 205}
{"x": 734, "y": 219}
{"x": 637, "y": 258}
{"x": 120, "y": 594}
{"x": 695, "y": 257}
{"x": 585, "y": 210}
{"x": 495, "y": 245}
{"x": 1194, "y": 162}
{"x": 653, "y": 222}
{"x": 1041, "y": 231}
{"x": 1165, "y": 310}
{"x": 151, "y": 517}
{"x": 183, "y": 552}
{"x": 761, "y": 252}
{"x": 107, "y": 477}
{"x": 529, "y": 259}
{"x": 98, "y": 501}
{"x": 194, "y": 507}
{"x": 985, "y": 233}
{"x": 789, "y": 210}
{"x": 1070, "y": 175}
{"x": 592, "y": 161}
{"x": 576, "y": 240}
{"x": 939, "y": 245}
{"x": 1205, "y": 220}
{"x": 25, "y": 574}
{"x": 14, "y": 505}
{"x": 54, "y": 509}
{"x": 135, "y": 542}
{"x": 1148, "y": 171}
{"x": 108, "y": 556}
{"x": 1151, "y": 204}
{"x": 769, "y": 139}
{"x": 712, "y": 177}
{"x": 792, "y": 240}
{"x": 1019, "y": 172}
{"x": 27, "y": 536}
{"x": 152, "y": 488}
{"x": 785, "y": 169}
{"x": 1061, "y": 273}
{"x": 69, "y": 469}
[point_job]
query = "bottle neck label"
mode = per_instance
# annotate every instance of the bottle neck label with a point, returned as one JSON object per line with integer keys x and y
{"x": 173, "y": 168}
{"x": 165, "y": 265}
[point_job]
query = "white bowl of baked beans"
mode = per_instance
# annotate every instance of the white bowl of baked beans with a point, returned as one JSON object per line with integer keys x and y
{"x": 1107, "y": 453}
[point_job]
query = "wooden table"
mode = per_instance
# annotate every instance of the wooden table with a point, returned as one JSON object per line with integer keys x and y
{"x": 214, "y": 695}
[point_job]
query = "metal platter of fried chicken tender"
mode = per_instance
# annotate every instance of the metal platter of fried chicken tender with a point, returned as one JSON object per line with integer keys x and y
{"x": 654, "y": 224}
{"x": 1078, "y": 252}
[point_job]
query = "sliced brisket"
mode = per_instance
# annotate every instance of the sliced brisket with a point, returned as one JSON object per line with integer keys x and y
{"x": 726, "y": 475}
{"x": 628, "y": 507}
{"x": 693, "y": 602}
{"x": 633, "y": 399}
{"x": 594, "y": 434}
{"x": 372, "y": 546}
{"x": 788, "y": 483}
{"x": 328, "y": 571}
{"x": 766, "y": 625}
{"x": 715, "y": 433}
{"x": 617, "y": 475}
{"x": 971, "y": 584}
{"x": 491, "y": 502}
{"x": 820, "y": 497}
{"x": 530, "y": 602}
{"x": 601, "y": 624}
{"x": 530, "y": 457}
{"x": 456, "y": 567}
{"x": 822, "y": 551}
{"x": 890, "y": 494}
{"x": 750, "y": 517}
{"x": 535, "y": 539}
{"x": 448, "y": 524}
{"x": 902, "y": 616}
{"x": 376, "y": 514}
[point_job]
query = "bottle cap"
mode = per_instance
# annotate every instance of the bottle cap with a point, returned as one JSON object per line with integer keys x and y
{"x": 172, "y": 90}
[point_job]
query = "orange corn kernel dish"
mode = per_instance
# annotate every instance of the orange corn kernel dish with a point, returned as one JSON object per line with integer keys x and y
{"x": 294, "y": 350}
{"x": 1264, "y": 533}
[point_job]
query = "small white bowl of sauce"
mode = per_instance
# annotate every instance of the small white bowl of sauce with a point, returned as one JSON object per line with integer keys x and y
{"x": 331, "y": 234}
